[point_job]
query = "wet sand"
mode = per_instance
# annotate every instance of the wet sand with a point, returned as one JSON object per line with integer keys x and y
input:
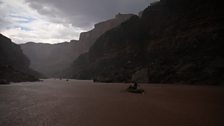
{"x": 84, "y": 103}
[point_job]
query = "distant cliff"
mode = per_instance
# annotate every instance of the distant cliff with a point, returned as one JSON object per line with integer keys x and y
{"x": 14, "y": 65}
{"x": 49, "y": 59}
{"x": 174, "y": 41}
{"x": 52, "y": 59}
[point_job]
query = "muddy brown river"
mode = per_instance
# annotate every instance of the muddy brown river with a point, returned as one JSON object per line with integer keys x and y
{"x": 84, "y": 103}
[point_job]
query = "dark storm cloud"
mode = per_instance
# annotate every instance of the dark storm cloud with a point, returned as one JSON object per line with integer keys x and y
{"x": 84, "y": 13}
{"x": 53, "y": 21}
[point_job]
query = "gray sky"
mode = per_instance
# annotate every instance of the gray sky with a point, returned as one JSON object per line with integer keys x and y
{"x": 54, "y": 21}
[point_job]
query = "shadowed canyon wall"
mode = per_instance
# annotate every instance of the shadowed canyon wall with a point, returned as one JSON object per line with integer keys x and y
{"x": 14, "y": 65}
{"x": 174, "y": 41}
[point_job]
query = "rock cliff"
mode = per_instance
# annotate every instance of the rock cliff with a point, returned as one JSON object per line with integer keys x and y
{"x": 87, "y": 39}
{"x": 14, "y": 65}
{"x": 174, "y": 41}
{"x": 52, "y": 59}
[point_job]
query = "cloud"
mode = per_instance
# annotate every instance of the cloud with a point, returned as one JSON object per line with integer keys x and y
{"x": 41, "y": 31}
{"x": 54, "y": 21}
{"x": 85, "y": 13}
{"x": 22, "y": 23}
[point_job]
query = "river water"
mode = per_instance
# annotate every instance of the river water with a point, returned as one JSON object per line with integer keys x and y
{"x": 84, "y": 103}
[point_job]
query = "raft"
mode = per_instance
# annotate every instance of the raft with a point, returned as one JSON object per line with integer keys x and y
{"x": 132, "y": 90}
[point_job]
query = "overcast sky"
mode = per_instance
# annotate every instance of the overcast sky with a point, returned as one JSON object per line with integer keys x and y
{"x": 53, "y": 21}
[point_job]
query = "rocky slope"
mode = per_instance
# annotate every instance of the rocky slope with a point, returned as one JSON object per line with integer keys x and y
{"x": 174, "y": 41}
{"x": 14, "y": 65}
{"x": 51, "y": 59}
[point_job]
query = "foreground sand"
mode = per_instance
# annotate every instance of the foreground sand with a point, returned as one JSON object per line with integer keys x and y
{"x": 83, "y": 103}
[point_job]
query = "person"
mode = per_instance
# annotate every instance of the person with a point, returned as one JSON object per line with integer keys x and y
{"x": 135, "y": 88}
{"x": 135, "y": 85}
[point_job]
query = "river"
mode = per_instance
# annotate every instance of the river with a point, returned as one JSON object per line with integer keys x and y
{"x": 56, "y": 102}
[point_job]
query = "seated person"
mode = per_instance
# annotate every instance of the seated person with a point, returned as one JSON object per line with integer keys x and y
{"x": 135, "y": 86}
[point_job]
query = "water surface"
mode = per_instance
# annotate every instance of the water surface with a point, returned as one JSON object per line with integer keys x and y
{"x": 84, "y": 103}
